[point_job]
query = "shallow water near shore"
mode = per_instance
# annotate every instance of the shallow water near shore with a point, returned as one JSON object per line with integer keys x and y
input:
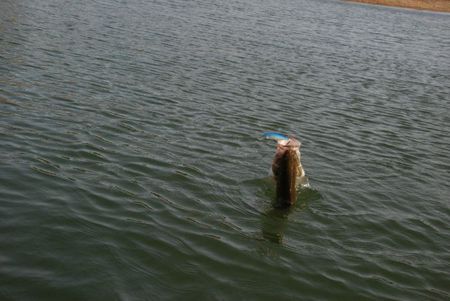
{"x": 131, "y": 166}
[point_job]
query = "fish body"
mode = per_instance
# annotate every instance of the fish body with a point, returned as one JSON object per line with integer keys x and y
{"x": 288, "y": 171}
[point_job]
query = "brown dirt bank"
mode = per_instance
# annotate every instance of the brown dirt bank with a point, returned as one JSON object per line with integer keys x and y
{"x": 434, "y": 5}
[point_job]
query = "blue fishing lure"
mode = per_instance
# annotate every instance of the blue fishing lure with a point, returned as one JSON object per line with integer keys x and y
{"x": 275, "y": 136}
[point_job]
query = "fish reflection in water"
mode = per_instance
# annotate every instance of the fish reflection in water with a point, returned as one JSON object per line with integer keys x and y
{"x": 274, "y": 221}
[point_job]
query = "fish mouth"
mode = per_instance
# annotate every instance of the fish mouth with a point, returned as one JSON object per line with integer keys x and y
{"x": 291, "y": 143}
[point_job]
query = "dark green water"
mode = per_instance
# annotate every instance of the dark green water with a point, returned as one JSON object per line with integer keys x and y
{"x": 130, "y": 165}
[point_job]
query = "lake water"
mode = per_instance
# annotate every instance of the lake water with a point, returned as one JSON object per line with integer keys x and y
{"x": 131, "y": 164}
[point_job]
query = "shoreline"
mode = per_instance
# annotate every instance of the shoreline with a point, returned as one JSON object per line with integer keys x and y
{"x": 430, "y": 5}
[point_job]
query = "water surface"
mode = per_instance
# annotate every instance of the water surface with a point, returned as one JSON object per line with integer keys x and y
{"x": 131, "y": 169}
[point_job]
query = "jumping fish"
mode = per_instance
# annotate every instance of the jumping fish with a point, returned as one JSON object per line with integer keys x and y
{"x": 287, "y": 169}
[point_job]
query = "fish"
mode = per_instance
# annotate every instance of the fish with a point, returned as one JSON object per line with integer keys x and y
{"x": 287, "y": 169}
